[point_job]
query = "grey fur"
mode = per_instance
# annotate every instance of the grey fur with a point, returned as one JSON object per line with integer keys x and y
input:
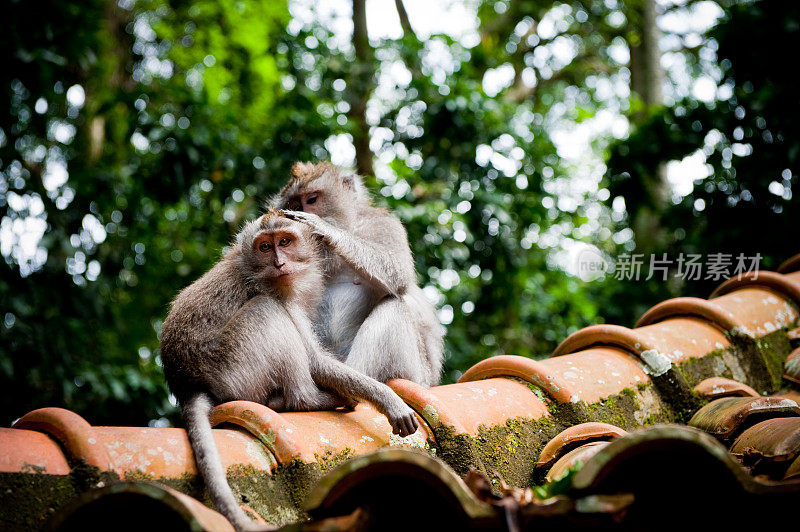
{"x": 242, "y": 332}
{"x": 373, "y": 315}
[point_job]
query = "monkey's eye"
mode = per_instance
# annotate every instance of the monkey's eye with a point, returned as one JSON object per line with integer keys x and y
{"x": 311, "y": 200}
{"x": 264, "y": 247}
{"x": 284, "y": 242}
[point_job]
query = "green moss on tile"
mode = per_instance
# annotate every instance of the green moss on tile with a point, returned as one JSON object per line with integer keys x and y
{"x": 774, "y": 348}
{"x": 696, "y": 370}
{"x": 755, "y": 362}
{"x": 511, "y": 449}
{"x": 30, "y": 500}
{"x": 457, "y": 450}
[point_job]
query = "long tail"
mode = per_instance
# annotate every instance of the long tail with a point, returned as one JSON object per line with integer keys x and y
{"x": 196, "y": 412}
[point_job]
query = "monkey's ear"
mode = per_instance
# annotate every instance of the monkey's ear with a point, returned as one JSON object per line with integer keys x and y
{"x": 273, "y": 202}
{"x": 300, "y": 168}
{"x": 350, "y": 180}
{"x": 353, "y": 182}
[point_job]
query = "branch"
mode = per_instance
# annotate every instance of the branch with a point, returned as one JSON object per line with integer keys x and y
{"x": 361, "y": 88}
{"x": 404, "y": 22}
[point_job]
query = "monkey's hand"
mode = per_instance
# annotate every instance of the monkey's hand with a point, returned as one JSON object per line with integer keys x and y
{"x": 317, "y": 224}
{"x": 403, "y": 421}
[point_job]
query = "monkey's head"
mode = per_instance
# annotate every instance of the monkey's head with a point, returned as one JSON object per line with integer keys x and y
{"x": 323, "y": 189}
{"x": 278, "y": 252}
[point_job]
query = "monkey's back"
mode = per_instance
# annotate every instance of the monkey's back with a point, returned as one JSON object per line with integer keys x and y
{"x": 190, "y": 337}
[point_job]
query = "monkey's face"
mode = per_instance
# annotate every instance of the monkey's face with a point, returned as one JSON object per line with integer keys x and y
{"x": 280, "y": 255}
{"x": 329, "y": 196}
{"x": 313, "y": 201}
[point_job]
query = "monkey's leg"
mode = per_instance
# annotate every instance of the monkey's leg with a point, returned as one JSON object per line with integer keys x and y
{"x": 331, "y": 373}
{"x": 318, "y": 400}
{"x": 388, "y": 345}
{"x": 336, "y": 376}
{"x": 325, "y": 400}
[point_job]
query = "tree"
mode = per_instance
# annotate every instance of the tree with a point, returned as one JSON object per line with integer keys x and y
{"x": 749, "y": 139}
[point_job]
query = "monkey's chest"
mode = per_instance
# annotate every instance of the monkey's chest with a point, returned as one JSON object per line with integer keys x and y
{"x": 345, "y": 305}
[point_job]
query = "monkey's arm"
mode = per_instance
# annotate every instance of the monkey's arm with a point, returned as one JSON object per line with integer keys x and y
{"x": 384, "y": 260}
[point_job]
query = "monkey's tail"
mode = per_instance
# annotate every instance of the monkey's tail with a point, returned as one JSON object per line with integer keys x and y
{"x": 196, "y": 413}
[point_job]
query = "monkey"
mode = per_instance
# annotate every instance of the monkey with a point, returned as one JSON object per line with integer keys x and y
{"x": 243, "y": 331}
{"x": 373, "y": 315}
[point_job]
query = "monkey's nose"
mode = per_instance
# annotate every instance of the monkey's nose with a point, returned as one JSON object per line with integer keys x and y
{"x": 278, "y": 265}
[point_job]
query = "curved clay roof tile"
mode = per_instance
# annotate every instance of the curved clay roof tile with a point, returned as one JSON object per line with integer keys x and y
{"x": 792, "y": 264}
{"x": 575, "y": 435}
{"x": 718, "y": 387}
{"x": 74, "y": 432}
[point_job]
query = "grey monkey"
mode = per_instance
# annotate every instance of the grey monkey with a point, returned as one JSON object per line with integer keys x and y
{"x": 373, "y": 315}
{"x": 243, "y": 331}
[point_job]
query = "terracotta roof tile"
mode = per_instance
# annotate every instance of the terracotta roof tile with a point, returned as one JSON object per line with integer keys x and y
{"x": 792, "y": 264}
{"x": 597, "y": 373}
{"x": 533, "y": 371}
{"x": 577, "y": 435}
{"x": 679, "y": 338}
{"x": 138, "y": 506}
{"x": 30, "y": 451}
{"x": 307, "y": 435}
{"x": 505, "y": 414}
{"x": 682, "y": 477}
{"x": 388, "y": 476}
{"x": 692, "y": 306}
{"x": 75, "y": 434}
{"x": 785, "y": 285}
{"x": 772, "y": 440}
{"x": 791, "y": 368}
{"x": 718, "y": 387}
{"x": 577, "y": 455}
{"x": 794, "y": 470}
{"x": 467, "y": 405}
{"x": 725, "y": 418}
{"x": 670, "y": 443}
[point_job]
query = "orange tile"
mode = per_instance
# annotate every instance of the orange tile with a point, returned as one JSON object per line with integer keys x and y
{"x": 527, "y": 369}
{"x": 74, "y": 432}
{"x": 724, "y": 418}
{"x": 596, "y": 373}
{"x": 466, "y": 406}
{"x": 310, "y": 435}
{"x": 790, "y": 265}
{"x": 692, "y": 306}
{"x": 28, "y": 451}
{"x": 580, "y": 454}
{"x": 166, "y": 452}
{"x": 678, "y": 338}
{"x": 718, "y": 387}
{"x": 776, "y": 440}
{"x": 575, "y": 435}
{"x": 759, "y": 310}
{"x": 791, "y": 368}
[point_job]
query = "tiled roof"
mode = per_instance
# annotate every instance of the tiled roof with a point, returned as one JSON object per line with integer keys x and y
{"x": 692, "y": 410}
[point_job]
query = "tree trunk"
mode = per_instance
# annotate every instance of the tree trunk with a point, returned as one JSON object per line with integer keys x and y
{"x": 405, "y": 23}
{"x": 647, "y": 78}
{"x": 361, "y": 87}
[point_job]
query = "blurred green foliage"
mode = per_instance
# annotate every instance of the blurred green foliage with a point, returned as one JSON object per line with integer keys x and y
{"x": 136, "y": 137}
{"x": 750, "y": 138}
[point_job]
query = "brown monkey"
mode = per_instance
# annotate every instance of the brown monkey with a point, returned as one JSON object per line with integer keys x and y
{"x": 373, "y": 315}
{"x": 243, "y": 331}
